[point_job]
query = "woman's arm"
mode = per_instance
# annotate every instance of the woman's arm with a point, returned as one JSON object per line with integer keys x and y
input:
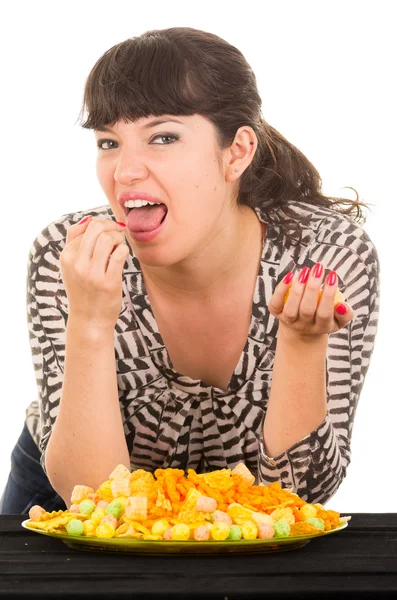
{"x": 297, "y": 403}
{"x": 88, "y": 439}
{"x": 315, "y": 463}
{"x": 74, "y": 362}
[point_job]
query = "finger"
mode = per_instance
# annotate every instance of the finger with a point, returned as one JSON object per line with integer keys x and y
{"x": 276, "y": 303}
{"x": 330, "y": 296}
{"x": 343, "y": 313}
{"x": 77, "y": 228}
{"x": 291, "y": 307}
{"x": 309, "y": 302}
{"x": 107, "y": 241}
{"x": 93, "y": 231}
{"x": 116, "y": 261}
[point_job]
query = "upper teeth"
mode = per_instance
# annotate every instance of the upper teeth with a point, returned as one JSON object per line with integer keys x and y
{"x": 139, "y": 203}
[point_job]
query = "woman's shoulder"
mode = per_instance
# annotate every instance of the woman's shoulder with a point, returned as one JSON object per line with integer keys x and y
{"x": 54, "y": 234}
{"x": 329, "y": 227}
{"x": 323, "y": 225}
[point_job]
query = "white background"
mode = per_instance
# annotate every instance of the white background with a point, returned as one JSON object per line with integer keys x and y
{"x": 326, "y": 75}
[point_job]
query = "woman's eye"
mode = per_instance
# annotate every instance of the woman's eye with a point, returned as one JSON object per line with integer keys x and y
{"x": 165, "y": 136}
{"x": 100, "y": 142}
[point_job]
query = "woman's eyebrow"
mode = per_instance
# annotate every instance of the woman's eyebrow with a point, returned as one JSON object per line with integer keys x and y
{"x": 147, "y": 125}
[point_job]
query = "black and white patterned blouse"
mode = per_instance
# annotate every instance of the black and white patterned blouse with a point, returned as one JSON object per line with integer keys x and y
{"x": 171, "y": 420}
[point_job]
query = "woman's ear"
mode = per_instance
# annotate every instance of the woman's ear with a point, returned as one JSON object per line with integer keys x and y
{"x": 241, "y": 152}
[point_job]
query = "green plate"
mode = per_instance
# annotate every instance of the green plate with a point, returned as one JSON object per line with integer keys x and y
{"x": 188, "y": 547}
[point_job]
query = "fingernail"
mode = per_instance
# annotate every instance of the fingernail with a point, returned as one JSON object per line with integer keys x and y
{"x": 304, "y": 275}
{"x": 83, "y": 220}
{"x": 331, "y": 279}
{"x": 318, "y": 270}
{"x": 341, "y": 309}
{"x": 120, "y": 223}
{"x": 289, "y": 277}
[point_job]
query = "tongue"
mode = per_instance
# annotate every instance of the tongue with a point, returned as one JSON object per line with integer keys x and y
{"x": 145, "y": 218}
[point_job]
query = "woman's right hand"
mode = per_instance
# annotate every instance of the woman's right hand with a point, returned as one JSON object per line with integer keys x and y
{"x": 92, "y": 265}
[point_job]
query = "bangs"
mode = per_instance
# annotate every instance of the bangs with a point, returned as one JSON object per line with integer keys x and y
{"x": 138, "y": 78}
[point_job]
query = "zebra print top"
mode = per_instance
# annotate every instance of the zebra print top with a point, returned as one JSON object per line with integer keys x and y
{"x": 171, "y": 420}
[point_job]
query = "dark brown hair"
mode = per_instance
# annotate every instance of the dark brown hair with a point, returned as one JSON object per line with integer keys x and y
{"x": 185, "y": 71}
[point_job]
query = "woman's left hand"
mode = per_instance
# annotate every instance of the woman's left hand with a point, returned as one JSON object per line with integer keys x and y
{"x": 303, "y": 312}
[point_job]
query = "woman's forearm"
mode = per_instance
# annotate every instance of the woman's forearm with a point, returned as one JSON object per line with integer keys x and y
{"x": 88, "y": 439}
{"x": 297, "y": 403}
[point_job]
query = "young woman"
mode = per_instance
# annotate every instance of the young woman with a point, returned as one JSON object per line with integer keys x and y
{"x": 159, "y": 328}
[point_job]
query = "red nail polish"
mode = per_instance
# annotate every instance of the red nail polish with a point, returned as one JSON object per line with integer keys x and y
{"x": 331, "y": 279}
{"x": 341, "y": 309}
{"x": 318, "y": 270}
{"x": 304, "y": 275}
{"x": 83, "y": 220}
{"x": 120, "y": 223}
{"x": 288, "y": 278}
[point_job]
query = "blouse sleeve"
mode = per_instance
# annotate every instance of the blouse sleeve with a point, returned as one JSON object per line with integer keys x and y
{"x": 46, "y": 303}
{"x": 316, "y": 465}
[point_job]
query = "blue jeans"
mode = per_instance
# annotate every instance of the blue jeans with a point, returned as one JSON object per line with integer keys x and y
{"x": 27, "y": 483}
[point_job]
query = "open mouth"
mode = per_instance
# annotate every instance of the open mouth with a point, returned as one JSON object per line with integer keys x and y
{"x": 145, "y": 218}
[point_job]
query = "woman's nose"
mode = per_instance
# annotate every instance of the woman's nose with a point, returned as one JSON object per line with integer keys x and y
{"x": 129, "y": 167}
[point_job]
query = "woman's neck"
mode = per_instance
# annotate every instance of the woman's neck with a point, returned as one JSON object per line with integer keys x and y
{"x": 218, "y": 270}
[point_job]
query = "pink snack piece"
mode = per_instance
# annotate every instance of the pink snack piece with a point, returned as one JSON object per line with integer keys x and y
{"x": 265, "y": 531}
{"x": 74, "y": 508}
{"x": 206, "y": 504}
{"x": 111, "y": 519}
{"x": 167, "y": 534}
{"x": 220, "y": 516}
{"x": 201, "y": 533}
{"x": 35, "y": 512}
{"x": 102, "y": 504}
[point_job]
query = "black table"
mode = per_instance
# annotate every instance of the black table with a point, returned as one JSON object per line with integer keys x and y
{"x": 357, "y": 562}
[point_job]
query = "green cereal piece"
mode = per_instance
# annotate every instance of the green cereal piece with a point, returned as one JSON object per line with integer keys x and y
{"x": 235, "y": 533}
{"x": 281, "y": 528}
{"x": 87, "y": 507}
{"x": 319, "y": 523}
{"x": 115, "y": 508}
{"x": 75, "y": 527}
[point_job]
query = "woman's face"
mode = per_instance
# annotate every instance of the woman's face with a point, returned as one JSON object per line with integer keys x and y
{"x": 178, "y": 163}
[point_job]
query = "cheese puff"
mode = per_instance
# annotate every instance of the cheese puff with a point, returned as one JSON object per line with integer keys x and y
{"x": 89, "y": 528}
{"x": 206, "y": 504}
{"x": 74, "y": 508}
{"x": 105, "y": 490}
{"x": 105, "y": 530}
{"x": 220, "y": 531}
{"x": 97, "y": 515}
{"x": 201, "y": 534}
{"x": 265, "y": 531}
{"x": 307, "y": 510}
{"x": 160, "y": 526}
{"x": 167, "y": 534}
{"x": 249, "y": 531}
{"x": 111, "y": 519}
{"x": 180, "y": 532}
{"x": 102, "y": 504}
{"x": 35, "y": 512}
{"x": 221, "y": 517}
